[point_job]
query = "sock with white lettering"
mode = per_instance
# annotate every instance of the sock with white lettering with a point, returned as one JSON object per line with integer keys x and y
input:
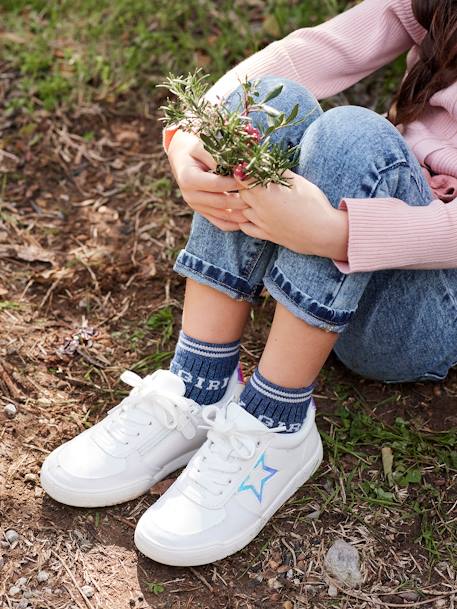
{"x": 204, "y": 367}
{"x": 274, "y": 405}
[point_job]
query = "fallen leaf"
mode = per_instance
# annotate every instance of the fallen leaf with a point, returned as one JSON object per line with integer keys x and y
{"x": 28, "y": 253}
{"x": 387, "y": 461}
{"x": 161, "y": 487}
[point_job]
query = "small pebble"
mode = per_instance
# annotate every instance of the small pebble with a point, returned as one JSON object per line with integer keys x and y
{"x": 11, "y": 536}
{"x": 14, "y": 590}
{"x": 342, "y": 561}
{"x": 10, "y": 410}
{"x": 2, "y": 561}
{"x": 332, "y": 591}
{"x": 314, "y": 515}
{"x": 30, "y": 477}
{"x": 88, "y": 591}
{"x": 23, "y": 604}
{"x": 21, "y": 582}
{"x": 42, "y": 576}
{"x": 440, "y": 603}
{"x": 27, "y": 594}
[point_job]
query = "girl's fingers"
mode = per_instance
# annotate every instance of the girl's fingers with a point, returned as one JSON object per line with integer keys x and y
{"x": 211, "y": 182}
{"x": 214, "y": 200}
{"x": 222, "y": 214}
{"x": 203, "y": 156}
{"x": 252, "y": 216}
{"x": 225, "y": 226}
{"x": 253, "y": 231}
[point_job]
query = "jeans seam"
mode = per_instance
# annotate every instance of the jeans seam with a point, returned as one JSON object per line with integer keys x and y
{"x": 326, "y": 321}
{"x": 403, "y": 163}
{"x": 180, "y": 265}
{"x": 250, "y": 267}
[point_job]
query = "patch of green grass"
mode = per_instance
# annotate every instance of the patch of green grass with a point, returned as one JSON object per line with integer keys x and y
{"x": 9, "y": 305}
{"x": 152, "y": 362}
{"x": 409, "y": 491}
{"x": 94, "y": 50}
{"x": 155, "y": 587}
{"x": 161, "y": 322}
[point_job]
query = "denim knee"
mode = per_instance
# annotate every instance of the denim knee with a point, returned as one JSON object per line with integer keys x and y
{"x": 352, "y": 151}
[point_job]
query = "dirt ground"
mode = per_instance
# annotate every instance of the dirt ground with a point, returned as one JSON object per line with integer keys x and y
{"x": 89, "y": 226}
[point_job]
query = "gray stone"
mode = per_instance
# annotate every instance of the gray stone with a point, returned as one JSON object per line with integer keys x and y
{"x": 88, "y": 591}
{"x": 11, "y": 536}
{"x": 10, "y": 410}
{"x": 342, "y": 561}
{"x": 42, "y": 576}
{"x": 21, "y": 582}
{"x": 14, "y": 590}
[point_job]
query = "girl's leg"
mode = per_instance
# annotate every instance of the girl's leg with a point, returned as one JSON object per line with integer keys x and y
{"x": 212, "y": 316}
{"x": 347, "y": 152}
{"x": 225, "y": 272}
{"x": 394, "y": 325}
{"x": 295, "y": 351}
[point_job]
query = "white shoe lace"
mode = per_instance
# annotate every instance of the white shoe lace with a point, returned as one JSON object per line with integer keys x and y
{"x": 222, "y": 454}
{"x": 131, "y": 417}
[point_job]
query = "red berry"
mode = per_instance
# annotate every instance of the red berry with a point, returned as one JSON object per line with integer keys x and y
{"x": 238, "y": 171}
{"x": 253, "y": 132}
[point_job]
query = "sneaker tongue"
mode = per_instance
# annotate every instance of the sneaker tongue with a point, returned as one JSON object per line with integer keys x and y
{"x": 243, "y": 420}
{"x": 166, "y": 381}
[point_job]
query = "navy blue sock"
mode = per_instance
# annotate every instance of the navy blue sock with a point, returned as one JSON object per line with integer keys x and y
{"x": 274, "y": 405}
{"x": 204, "y": 367}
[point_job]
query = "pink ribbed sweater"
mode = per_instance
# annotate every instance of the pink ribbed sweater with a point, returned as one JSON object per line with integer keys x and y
{"x": 383, "y": 232}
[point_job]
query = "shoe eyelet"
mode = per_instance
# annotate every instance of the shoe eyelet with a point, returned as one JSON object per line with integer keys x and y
{"x": 258, "y": 443}
{"x": 150, "y": 423}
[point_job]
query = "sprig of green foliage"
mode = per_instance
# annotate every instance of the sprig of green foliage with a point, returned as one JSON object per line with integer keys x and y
{"x": 228, "y": 136}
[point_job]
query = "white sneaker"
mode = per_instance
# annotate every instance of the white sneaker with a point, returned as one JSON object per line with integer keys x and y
{"x": 232, "y": 486}
{"x": 151, "y": 433}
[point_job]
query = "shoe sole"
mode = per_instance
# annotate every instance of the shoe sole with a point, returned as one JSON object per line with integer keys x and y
{"x": 86, "y": 499}
{"x": 194, "y": 558}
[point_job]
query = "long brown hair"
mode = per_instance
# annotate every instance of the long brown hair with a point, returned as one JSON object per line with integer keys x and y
{"x": 436, "y": 68}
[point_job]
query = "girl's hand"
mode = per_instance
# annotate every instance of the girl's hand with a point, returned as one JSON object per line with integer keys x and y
{"x": 300, "y": 218}
{"x": 204, "y": 191}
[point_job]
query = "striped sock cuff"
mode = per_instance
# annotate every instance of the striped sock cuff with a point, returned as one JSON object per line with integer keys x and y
{"x": 210, "y": 350}
{"x": 279, "y": 394}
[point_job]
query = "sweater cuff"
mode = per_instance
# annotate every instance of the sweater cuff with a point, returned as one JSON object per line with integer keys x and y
{"x": 167, "y": 136}
{"x": 386, "y": 233}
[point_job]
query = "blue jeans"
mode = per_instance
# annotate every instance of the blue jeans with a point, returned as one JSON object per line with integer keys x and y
{"x": 395, "y": 325}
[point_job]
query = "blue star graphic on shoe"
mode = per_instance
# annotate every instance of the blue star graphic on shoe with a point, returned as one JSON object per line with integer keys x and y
{"x": 257, "y": 479}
